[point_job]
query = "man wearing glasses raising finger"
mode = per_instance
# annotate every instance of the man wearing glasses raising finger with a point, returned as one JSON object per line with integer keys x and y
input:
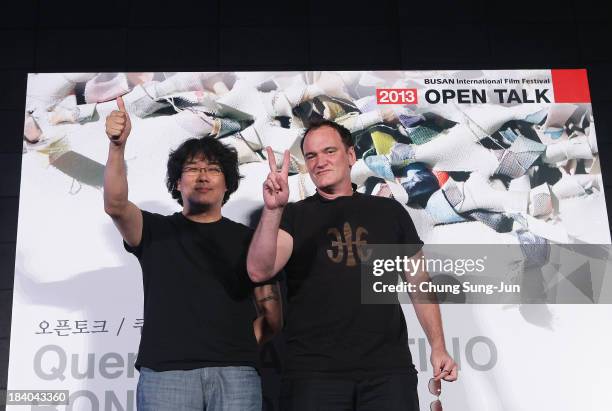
{"x": 342, "y": 355}
{"x": 198, "y": 348}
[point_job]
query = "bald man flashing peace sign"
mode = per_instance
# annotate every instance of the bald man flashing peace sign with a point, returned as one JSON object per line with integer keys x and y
{"x": 341, "y": 354}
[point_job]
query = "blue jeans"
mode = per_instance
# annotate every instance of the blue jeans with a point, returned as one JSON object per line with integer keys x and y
{"x": 202, "y": 389}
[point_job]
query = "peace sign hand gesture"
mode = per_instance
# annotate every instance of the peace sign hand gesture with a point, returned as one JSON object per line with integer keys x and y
{"x": 276, "y": 186}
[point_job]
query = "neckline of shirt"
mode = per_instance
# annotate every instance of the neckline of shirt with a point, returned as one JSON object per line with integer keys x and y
{"x": 355, "y": 194}
{"x": 184, "y": 218}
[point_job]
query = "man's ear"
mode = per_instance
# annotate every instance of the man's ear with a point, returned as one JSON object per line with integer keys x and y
{"x": 352, "y": 155}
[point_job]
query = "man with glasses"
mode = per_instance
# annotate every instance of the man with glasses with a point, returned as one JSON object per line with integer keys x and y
{"x": 341, "y": 354}
{"x": 198, "y": 348}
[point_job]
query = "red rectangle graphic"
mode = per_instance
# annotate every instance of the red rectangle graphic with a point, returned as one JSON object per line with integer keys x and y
{"x": 396, "y": 96}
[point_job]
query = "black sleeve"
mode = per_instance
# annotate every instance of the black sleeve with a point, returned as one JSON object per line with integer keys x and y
{"x": 145, "y": 239}
{"x": 246, "y": 236}
{"x": 408, "y": 233}
{"x": 287, "y": 223}
{"x": 276, "y": 279}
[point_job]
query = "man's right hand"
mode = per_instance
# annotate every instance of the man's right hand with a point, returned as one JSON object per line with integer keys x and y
{"x": 118, "y": 124}
{"x": 276, "y": 186}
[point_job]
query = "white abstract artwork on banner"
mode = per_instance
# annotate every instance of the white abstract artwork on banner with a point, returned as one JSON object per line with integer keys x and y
{"x": 476, "y": 157}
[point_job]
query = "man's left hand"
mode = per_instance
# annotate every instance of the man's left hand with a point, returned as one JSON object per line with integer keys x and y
{"x": 444, "y": 366}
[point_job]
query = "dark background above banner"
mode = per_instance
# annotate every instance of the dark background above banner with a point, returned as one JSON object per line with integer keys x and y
{"x": 75, "y": 36}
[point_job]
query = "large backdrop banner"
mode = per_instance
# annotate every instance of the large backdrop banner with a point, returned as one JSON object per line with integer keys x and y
{"x": 476, "y": 157}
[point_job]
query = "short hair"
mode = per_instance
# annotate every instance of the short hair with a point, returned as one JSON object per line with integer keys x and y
{"x": 345, "y": 134}
{"x": 213, "y": 151}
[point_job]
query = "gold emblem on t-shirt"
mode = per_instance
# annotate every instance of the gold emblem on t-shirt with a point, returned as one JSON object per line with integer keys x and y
{"x": 337, "y": 256}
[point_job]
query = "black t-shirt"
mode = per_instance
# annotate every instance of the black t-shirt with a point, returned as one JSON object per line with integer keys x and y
{"x": 198, "y": 309}
{"x": 329, "y": 332}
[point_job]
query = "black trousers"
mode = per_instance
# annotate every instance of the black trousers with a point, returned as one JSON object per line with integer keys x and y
{"x": 396, "y": 392}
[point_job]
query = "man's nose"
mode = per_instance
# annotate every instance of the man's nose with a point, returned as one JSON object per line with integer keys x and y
{"x": 321, "y": 162}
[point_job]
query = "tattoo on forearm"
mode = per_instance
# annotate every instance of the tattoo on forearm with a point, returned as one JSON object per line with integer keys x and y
{"x": 273, "y": 297}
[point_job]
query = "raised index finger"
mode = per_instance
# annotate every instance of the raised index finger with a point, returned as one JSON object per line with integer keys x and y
{"x": 285, "y": 168}
{"x": 271, "y": 159}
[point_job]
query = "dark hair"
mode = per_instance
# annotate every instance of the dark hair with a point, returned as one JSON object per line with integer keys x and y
{"x": 213, "y": 151}
{"x": 344, "y": 133}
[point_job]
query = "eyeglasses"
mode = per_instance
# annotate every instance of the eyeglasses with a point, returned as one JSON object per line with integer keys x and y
{"x": 435, "y": 387}
{"x": 213, "y": 171}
